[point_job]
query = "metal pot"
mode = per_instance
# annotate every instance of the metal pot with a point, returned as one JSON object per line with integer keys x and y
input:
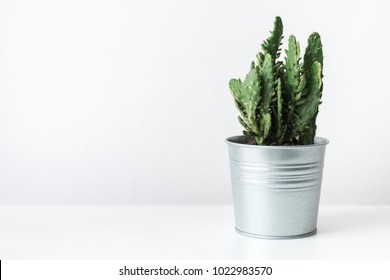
{"x": 276, "y": 189}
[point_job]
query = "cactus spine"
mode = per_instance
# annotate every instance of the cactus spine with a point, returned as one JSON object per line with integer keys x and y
{"x": 278, "y": 101}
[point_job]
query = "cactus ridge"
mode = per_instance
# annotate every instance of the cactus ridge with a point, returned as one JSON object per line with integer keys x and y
{"x": 278, "y": 101}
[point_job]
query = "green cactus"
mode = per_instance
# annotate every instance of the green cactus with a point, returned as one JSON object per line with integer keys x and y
{"x": 278, "y": 101}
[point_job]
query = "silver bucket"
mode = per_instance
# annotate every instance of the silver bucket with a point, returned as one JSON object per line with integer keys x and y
{"x": 276, "y": 189}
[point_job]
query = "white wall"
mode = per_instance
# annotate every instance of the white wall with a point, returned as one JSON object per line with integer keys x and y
{"x": 127, "y": 101}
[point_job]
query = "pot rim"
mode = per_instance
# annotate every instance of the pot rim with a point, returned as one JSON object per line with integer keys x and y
{"x": 233, "y": 140}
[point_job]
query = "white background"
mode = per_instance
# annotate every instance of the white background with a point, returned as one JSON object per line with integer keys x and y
{"x": 113, "y": 102}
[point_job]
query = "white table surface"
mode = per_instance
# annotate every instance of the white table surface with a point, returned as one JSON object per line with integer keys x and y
{"x": 182, "y": 232}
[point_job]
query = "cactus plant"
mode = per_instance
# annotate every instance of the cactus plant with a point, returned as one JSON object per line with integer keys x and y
{"x": 278, "y": 100}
